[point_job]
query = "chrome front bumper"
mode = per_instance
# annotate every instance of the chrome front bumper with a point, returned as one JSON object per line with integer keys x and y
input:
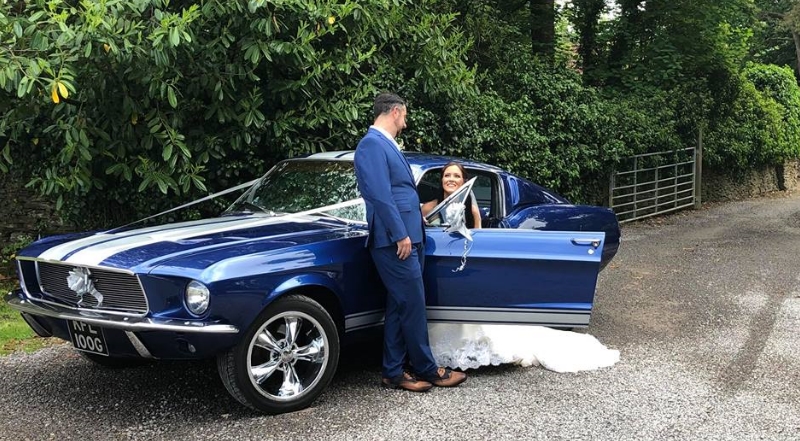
{"x": 16, "y": 301}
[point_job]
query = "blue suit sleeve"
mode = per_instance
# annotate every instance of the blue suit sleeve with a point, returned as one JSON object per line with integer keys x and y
{"x": 372, "y": 172}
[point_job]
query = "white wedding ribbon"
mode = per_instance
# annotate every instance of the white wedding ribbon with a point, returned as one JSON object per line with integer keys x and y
{"x": 189, "y": 204}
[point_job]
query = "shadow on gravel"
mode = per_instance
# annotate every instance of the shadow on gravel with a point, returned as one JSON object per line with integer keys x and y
{"x": 166, "y": 393}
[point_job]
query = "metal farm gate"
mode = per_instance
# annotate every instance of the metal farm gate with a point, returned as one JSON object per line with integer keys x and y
{"x": 656, "y": 183}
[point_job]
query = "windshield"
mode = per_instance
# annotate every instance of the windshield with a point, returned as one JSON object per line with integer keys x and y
{"x": 300, "y": 186}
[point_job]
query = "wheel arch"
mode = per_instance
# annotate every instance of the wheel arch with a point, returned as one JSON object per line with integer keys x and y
{"x": 319, "y": 288}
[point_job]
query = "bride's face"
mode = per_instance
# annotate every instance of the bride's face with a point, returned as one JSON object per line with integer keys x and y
{"x": 452, "y": 179}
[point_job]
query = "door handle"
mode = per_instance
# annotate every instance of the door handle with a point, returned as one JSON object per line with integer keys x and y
{"x": 587, "y": 242}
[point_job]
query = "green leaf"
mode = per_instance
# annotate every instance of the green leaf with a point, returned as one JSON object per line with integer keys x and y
{"x": 184, "y": 149}
{"x": 173, "y": 100}
{"x": 83, "y": 138}
{"x": 198, "y": 183}
{"x": 167, "y": 152}
{"x": 7, "y": 153}
{"x": 144, "y": 184}
{"x": 174, "y": 36}
{"x": 22, "y": 88}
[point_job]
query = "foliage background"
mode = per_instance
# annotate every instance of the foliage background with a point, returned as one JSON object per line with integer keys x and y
{"x": 117, "y": 109}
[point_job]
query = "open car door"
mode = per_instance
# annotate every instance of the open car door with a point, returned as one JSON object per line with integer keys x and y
{"x": 507, "y": 276}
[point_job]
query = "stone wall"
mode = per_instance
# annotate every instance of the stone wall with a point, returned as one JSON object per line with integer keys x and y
{"x": 722, "y": 186}
{"x": 24, "y": 213}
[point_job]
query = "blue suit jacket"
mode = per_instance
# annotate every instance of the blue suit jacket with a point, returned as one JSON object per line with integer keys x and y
{"x": 387, "y": 185}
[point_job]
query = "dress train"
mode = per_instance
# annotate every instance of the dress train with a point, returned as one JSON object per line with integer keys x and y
{"x": 467, "y": 346}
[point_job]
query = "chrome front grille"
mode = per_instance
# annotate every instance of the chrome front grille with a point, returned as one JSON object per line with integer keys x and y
{"x": 121, "y": 291}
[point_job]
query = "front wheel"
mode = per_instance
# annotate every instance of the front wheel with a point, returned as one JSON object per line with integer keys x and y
{"x": 287, "y": 358}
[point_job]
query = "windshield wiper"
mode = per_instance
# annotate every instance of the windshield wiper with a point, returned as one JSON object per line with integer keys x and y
{"x": 329, "y": 216}
{"x": 249, "y": 207}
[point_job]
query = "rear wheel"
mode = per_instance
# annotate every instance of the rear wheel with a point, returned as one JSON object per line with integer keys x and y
{"x": 287, "y": 358}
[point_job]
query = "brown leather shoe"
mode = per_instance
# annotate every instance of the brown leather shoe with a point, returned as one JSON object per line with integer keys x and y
{"x": 406, "y": 381}
{"x": 446, "y": 377}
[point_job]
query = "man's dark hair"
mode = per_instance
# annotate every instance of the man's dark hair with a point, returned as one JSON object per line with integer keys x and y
{"x": 385, "y": 102}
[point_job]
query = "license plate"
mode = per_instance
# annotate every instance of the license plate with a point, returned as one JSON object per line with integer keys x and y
{"x": 87, "y": 338}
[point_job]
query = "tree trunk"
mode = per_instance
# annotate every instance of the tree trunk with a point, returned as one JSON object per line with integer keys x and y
{"x": 543, "y": 28}
{"x": 588, "y": 16}
{"x": 796, "y": 39}
{"x": 625, "y": 35}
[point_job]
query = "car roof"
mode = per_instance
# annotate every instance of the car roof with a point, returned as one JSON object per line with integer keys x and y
{"x": 423, "y": 161}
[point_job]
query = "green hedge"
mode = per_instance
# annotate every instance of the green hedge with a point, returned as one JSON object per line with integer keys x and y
{"x": 761, "y": 126}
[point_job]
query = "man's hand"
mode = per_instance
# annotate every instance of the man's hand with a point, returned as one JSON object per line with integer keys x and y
{"x": 404, "y": 248}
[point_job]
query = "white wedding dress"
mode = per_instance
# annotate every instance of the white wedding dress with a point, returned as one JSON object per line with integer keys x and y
{"x": 467, "y": 346}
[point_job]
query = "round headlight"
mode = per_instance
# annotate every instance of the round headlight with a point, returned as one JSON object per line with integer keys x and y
{"x": 197, "y": 296}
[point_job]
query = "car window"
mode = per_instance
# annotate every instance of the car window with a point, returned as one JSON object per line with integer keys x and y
{"x": 299, "y": 186}
{"x": 429, "y": 188}
{"x": 483, "y": 192}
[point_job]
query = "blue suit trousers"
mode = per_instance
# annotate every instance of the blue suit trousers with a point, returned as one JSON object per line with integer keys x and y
{"x": 406, "y": 323}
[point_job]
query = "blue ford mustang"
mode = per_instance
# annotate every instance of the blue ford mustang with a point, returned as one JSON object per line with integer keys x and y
{"x": 278, "y": 282}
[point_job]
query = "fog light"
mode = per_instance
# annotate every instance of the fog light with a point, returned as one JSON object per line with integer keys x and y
{"x": 197, "y": 296}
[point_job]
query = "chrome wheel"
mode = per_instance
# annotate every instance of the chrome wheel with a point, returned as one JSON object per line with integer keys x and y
{"x": 287, "y": 356}
{"x": 286, "y": 359}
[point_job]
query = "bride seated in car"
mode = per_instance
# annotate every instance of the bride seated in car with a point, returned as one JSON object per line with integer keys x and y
{"x": 453, "y": 177}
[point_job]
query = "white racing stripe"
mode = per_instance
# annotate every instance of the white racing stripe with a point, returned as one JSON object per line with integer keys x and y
{"x": 59, "y": 252}
{"x": 96, "y": 254}
{"x": 95, "y": 249}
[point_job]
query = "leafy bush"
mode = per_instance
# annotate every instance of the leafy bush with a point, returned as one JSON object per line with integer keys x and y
{"x": 762, "y": 124}
{"x": 123, "y": 108}
{"x": 544, "y": 124}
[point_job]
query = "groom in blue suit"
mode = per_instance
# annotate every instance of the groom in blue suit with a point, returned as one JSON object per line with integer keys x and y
{"x": 396, "y": 244}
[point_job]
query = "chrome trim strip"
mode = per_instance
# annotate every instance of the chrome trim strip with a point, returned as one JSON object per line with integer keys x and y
{"x": 86, "y": 310}
{"x": 507, "y": 315}
{"x": 138, "y": 345}
{"x": 39, "y": 278}
{"x": 500, "y": 211}
{"x": 487, "y": 308}
{"x": 454, "y": 314}
{"x": 363, "y": 313}
{"x": 22, "y": 279}
{"x": 364, "y": 319}
{"x": 370, "y": 325}
{"x": 125, "y": 323}
{"x": 61, "y": 262}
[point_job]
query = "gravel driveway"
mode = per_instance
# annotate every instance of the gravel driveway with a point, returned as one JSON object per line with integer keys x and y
{"x": 704, "y": 307}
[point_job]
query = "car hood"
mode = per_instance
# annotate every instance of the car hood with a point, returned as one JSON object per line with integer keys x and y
{"x": 191, "y": 245}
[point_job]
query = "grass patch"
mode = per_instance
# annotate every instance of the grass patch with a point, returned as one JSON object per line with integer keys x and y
{"x": 15, "y": 334}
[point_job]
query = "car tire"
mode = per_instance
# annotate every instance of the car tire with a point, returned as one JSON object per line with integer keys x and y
{"x": 285, "y": 360}
{"x": 112, "y": 362}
